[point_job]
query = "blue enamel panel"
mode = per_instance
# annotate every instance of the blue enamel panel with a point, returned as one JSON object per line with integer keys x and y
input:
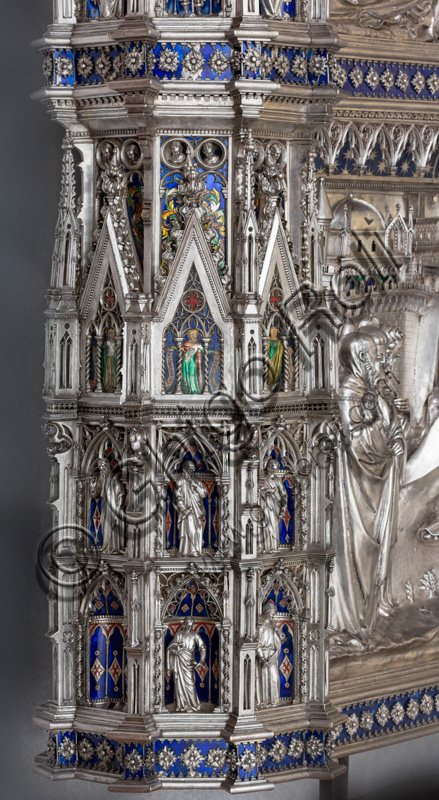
{"x": 216, "y": 758}
{"x": 192, "y": 601}
{"x": 98, "y": 664}
{"x": 116, "y": 664}
{"x": 217, "y": 61}
{"x": 65, "y": 80}
{"x": 95, "y": 538}
{"x": 286, "y": 662}
{"x": 93, "y": 9}
{"x": 66, "y": 745}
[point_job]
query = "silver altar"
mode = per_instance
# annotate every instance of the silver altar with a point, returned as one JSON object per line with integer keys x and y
{"x": 241, "y": 384}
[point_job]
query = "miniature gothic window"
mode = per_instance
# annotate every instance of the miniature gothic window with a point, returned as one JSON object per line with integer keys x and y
{"x": 192, "y": 345}
{"x": 191, "y": 628}
{"x": 104, "y": 345}
{"x": 279, "y": 342}
{"x": 65, "y": 381}
{"x": 106, "y": 632}
{"x": 67, "y": 249}
{"x": 319, "y": 362}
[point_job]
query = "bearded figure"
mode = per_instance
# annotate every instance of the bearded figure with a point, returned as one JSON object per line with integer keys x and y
{"x": 371, "y": 456}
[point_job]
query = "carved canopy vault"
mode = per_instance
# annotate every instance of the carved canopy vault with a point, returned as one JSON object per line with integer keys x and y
{"x": 241, "y": 382}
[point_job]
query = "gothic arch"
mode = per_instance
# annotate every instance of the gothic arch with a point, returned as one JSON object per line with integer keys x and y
{"x": 193, "y": 345}
{"x": 114, "y": 580}
{"x": 285, "y": 583}
{"x": 191, "y": 598}
{"x": 95, "y": 449}
{"x": 101, "y": 641}
{"x": 193, "y": 322}
{"x": 286, "y": 444}
{"x": 184, "y": 582}
{"x": 280, "y": 590}
{"x": 177, "y": 450}
{"x": 208, "y": 475}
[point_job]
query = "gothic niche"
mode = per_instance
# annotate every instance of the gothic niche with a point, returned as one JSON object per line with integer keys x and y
{"x": 107, "y": 499}
{"x": 104, "y": 345}
{"x": 192, "y": 345}
{"x": 103, "y": 623}
{"x": 192, "y": 649}
{"x": 65, "y": 359}
{"x": 277, "y": 490}
{"x": 279, "y": 342}
{"x": 277, "y": 637}
{"x": 192, "y": 501}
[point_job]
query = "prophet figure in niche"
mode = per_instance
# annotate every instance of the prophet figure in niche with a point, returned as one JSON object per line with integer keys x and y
{"x": 270, "y": 640}
{"x": 189, "y": 496}
{"x": 180, "y": 660}
{"x": 113, "y": 499}
{"x": 109, "y": 362}
{"x": 371, "y": 456}
{"x": 275, "y": 351}
{"x": 274, "y": 503}
{"x": 192, "y": 368}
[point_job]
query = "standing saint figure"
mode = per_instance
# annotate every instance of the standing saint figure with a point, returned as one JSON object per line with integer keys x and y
{"x": 180, "y": 660}
{"x": 111, "y": 9}
{"x": 274, "y": 503}
{"x": 192, "y": 370}
{"x": 113, "y": 497}
{"x": 275, "y": 351}
{"x": 188, "y": 498}
{"x": 270, "y": 640}
{"x": 371, "y": 455}
{"x": 109, "y": 362}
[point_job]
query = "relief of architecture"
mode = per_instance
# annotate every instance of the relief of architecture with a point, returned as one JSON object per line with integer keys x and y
{"x": 241, "y": 388}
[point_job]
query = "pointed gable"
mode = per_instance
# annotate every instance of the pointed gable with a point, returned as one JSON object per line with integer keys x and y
{"x": 192, "y": 318}
{"x": 193, "y": 251}
{"x": 106, "y": 261}
{"x": 278, "y": 257}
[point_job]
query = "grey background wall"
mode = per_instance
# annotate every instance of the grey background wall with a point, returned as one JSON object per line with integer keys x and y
{"x": 30, "y": 179}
